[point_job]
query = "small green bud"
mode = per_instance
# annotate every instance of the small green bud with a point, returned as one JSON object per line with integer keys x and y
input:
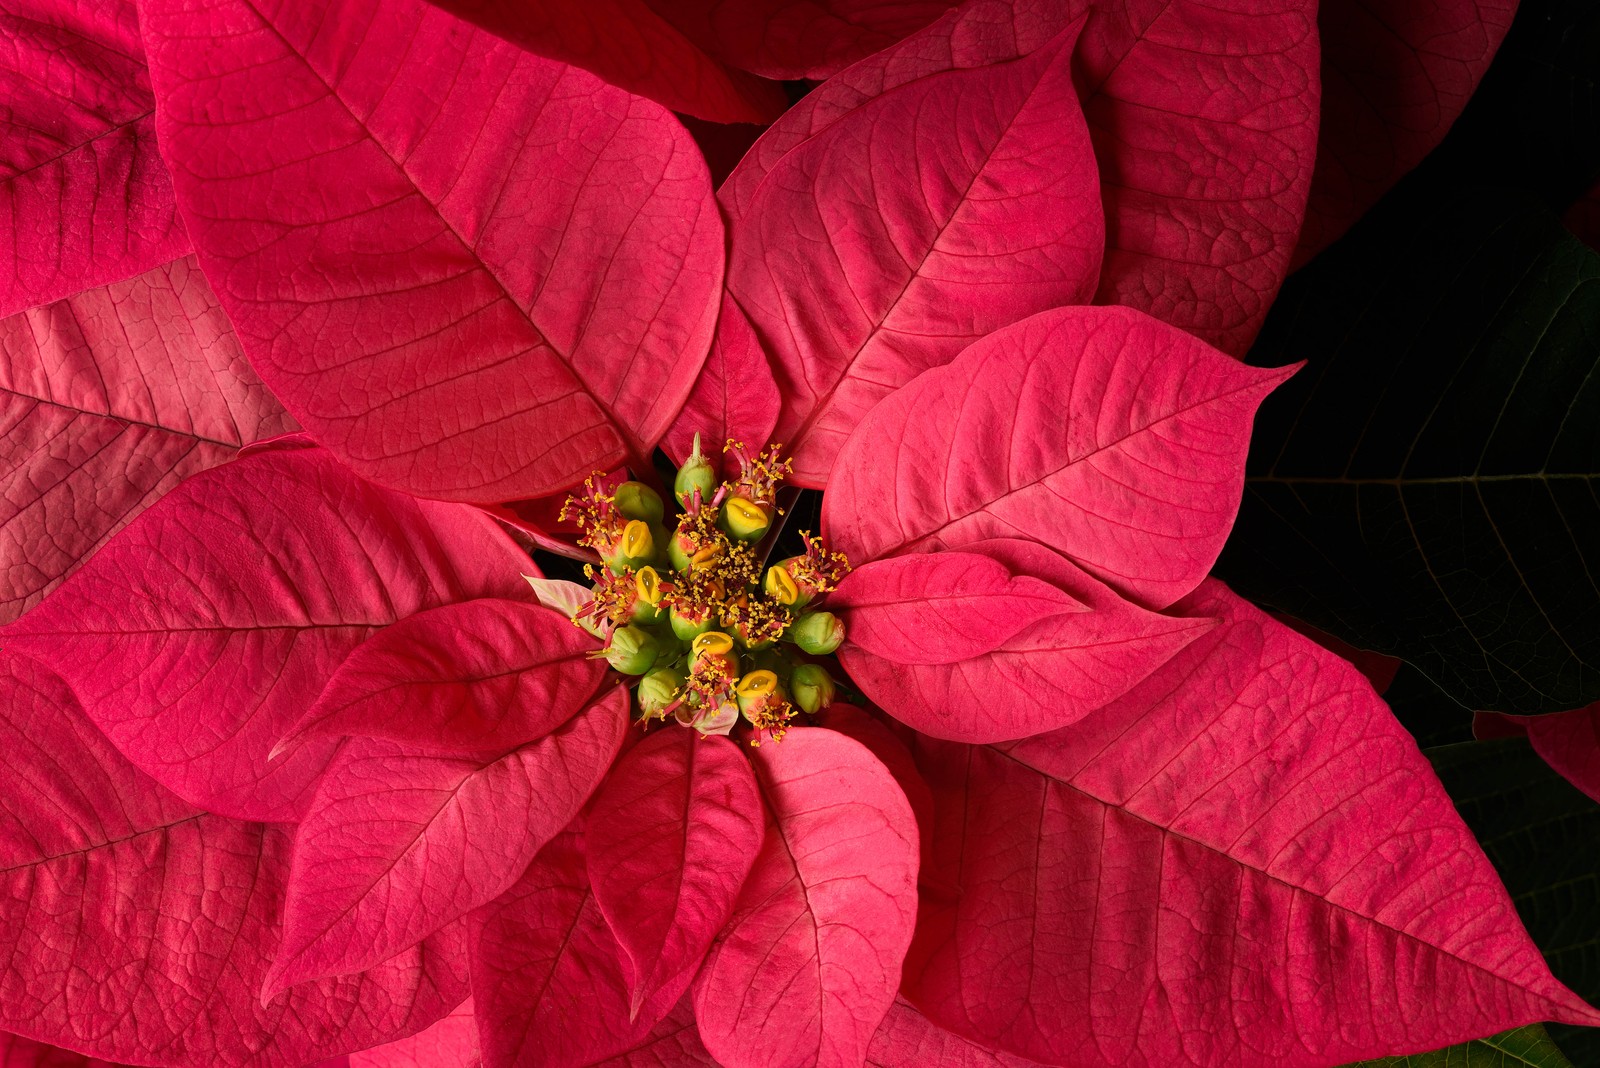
{"x": 812, "y": 687}
{"x": 635, "y": 548}
{"x": 647, "y": 596}
{"x": 781, "y": 587}
{"x": 689, "y": 629}
{"x": 638, "y": 501}
{"x": 658, "y": 689}
{"x": 697, "y": 473}
{"x": 632, "y": 650}
{"x": 818, "y": 633}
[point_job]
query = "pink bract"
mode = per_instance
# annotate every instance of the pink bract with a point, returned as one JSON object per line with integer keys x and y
{"x": 399, "y": 843}
{"x": 84, "y": 197}
{"x": 110, "y": 397}
{"x": 474, "y": 675}
{"x": 1215, "y": 835}
{"x": 402, "y": 276}
{"x": 200, "y": 634}
{"x": 671, "y": 840}
{"x": 1140, "y": 490}
{"x": 810, "y": 962}
{"x": 89, "y": 844}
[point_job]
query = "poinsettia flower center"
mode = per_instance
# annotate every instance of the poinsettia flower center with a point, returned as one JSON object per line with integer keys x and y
{"x": 707, "y": 634}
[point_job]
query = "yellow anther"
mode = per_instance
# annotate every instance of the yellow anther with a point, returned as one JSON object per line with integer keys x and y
{"x": 712, "y": 643}
{"x": 758, "y": 684}
{"x": 647, "y": 584}
{"x": 637, "y": 540}
{"x": 780, "y": 586}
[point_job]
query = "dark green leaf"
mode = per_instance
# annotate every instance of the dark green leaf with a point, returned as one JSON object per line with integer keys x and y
{"x": 1526, "y": 1047}
{"x": 1541, "y": 834}
{"x": 1426, "y": 486}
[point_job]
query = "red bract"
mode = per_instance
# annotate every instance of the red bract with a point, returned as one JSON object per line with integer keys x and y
{"x": 1140, "y": 489}
{"x": 135, "y": 926}
{"x": 1568, "y": 741}
{"x": 798, "y": 38}
{"x": 1395, "y": 77}
{"x": 861, "y": 266}
{"x": 629, "y": 45}
{"x": 1204, "y": 119}
{"x": 1149, "y": 826}
{"x": 1249, "y": 826}
{"x": 469, "y": 272}
{"x": 109, "y": 398}
{"x": 671, "y": 841}
{"x": 810, "y": 962}
{"x": 450, "y": 1043}
{"x": 84, "y": 198}
{"x": 199, "y": 635}
{"x": 398, "y": 843}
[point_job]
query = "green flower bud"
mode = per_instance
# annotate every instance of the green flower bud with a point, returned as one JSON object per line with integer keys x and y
{"x": 658, "y": 689}
{"x": 812, "y": 687}
{"x": 744, "y": 520}
{"x": 697, "y": 473}
{"x": 647, "y": 596}
{"x": 635, "y": 548}
{"x": 781, "y": 587}
{"x": 818, "y": 633}
{"x": 688, "y": 628}
{"x": 632, "y": 650}
{"x": 638, "y": 501}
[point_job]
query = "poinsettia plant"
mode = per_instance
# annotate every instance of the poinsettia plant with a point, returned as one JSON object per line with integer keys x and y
{"x": 320, "y": 316}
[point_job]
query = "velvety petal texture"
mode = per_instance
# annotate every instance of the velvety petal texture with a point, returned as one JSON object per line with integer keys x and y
{"x": 1244, "y": 861}
{"x": 809, "y": 964}
{"x": 1204, "y": 119}
{"x": 914, "y": 223}
{"x": 482, "y": 674}
{"x": 108, "y": 399}
{"x": 450, "y": 1043}
{"x": 1115, "y": 439}
{"x": 137, "y": 927}
{"x": 940, "y": 608}
{"x": 630, "y": 45}
{"x": 470, "y": 272}
{"x": 906, "y": 1039}
{"x": 671, "y": 838}
{"x": 547, "y": 972}
{"x": 734, "y": 397}
{"x": 84, "y": 197}
{"x": 399, "y": 843}
{"x": 1395, "y": 75}
{"x": 1046, "y": 674}
{"x": 204, "y": 630}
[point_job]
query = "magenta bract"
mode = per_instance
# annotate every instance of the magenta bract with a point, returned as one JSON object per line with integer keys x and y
{"x": 110, "y": 397}
{"x": 427, "y": 320}
{"x": 204, "y": 631}
{"x": 1042, "y": 430}
{"x": 84, "y": 197}
{"x": 1249, "y": 824}
{"x": 811, "y": 959}
{"x": 135, "y": 926}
